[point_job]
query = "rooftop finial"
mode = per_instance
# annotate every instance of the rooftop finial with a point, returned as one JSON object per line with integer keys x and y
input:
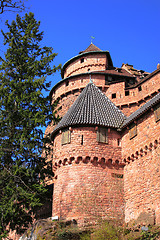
{"x": 92, "y": 39}
{"x": 90, "y": 79}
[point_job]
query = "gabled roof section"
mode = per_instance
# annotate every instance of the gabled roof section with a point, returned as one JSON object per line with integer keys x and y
{"x": 137, "y": 73}
{"x": 141, "y": 110}
{"x": 92, "y": 107}
{"x": 91, "y": 48}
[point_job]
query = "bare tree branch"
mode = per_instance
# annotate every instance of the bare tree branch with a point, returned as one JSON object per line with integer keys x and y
{"x": 11, "y": 5}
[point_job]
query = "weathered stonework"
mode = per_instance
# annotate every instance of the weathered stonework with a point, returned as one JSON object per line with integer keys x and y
{"x": 115, "y": 179}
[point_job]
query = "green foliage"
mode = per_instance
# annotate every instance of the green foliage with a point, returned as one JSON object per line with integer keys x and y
{"x": 106, "y": 231}
{"x": 111, "y": 229}
{"x": 24, "y": 110}
{"x": 152, "y": 234}
{"x": 86, "y": 236}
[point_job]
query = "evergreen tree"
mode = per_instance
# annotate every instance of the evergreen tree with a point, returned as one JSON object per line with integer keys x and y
{"x": 24, "y": 110}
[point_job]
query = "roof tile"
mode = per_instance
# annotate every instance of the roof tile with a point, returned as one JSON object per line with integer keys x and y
{"x": 91, "y": 48}
{"x": 92, "y": 107}
{"x": 141, "y": 110}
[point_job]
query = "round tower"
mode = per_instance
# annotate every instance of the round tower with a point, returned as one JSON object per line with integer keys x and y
{"x": 98, "y": 64}
{"x": 87, "y": 160}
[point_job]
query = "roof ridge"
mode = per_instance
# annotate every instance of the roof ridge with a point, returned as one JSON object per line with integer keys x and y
{"x": 153, "y": 101}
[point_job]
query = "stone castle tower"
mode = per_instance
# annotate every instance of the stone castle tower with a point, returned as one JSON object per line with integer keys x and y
{"x": 106, "y": 155}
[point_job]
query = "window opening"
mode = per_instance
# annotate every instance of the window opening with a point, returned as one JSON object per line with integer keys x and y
{"x": 102, "y": 135}
{"x": 82, "y": 60}
{"x": 133, "y": 131}
{"x": 139, "y": 88}
{"x": 113, "y": 95}
{"x": 106, "y": 80}
{"x": 157, "y": 113}
{"x": 67, "y": 83}
{"x": 82, "y": 140}
{"x": 118, "y": 142}
{"x": 126, "y": 93}
{"x": 66, "y": 137}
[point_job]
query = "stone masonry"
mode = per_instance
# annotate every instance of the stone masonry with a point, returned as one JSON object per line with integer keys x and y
{"x": 106, "y": 153}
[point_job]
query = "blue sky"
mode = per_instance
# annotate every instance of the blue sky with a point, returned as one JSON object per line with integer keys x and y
{"x": 129, "y": 30}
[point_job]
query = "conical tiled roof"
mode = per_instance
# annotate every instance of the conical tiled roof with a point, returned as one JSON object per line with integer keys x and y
{"x": 92, "y": 107}
{"x": 91, "y": 48}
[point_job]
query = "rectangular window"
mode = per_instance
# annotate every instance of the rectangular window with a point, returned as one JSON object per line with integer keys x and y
{"x": 157, "y": 113}
{"x": 102, "y": 135}
{"x": 66, "y": 137}
{"x": 113, "y": 95}
{"x": 133, "y": 131}
{"x": 67, "y": 83}
{"x": 126, "y": 93}
{"x": 139, "y": 88}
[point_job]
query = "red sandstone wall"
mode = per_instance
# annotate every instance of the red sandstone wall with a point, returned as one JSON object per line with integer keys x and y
{"x": 142, "y": 173}
{"x": 86, "y": 168}
{"x": 147, "y": 132}
{"x": 87, "y": 192}
{"x": 90, "y": 145}
{"x": 142, "y": 188}
{"x": 128, "y": 104}
{"x": 86, "y": 176}
{"x": 94, "y": 62}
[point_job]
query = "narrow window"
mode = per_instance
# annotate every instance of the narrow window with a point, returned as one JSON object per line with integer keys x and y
{"x": 113, "y": 95}
{"x": 126, "y": 93}
{"x": 133, "y": 131}
{"x": 67, "y": 83}
{"x": 118, "y": 142}
{"x": 157, "y": 113}
{"x": 82, "y": 140}
{"x": 82, "y": 60}
{"x": 66, "y": 137}
{"x": 102, "y": 135}
{"x": 139, "y": 88}
{"x": 106, "y": 80}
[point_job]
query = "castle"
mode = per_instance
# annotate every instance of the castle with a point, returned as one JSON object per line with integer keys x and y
{"x": 106, "y": 148}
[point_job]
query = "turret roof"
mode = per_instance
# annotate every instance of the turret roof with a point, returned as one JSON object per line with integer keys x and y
{"x": 91, "y": 48}
{"x": 92, "y": 107}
